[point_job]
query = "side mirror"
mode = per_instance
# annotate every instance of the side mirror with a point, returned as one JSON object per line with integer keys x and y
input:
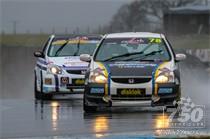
{"x": 38, "y": 54}
{"x": 180, "y": 57}
{"x": 85, "y": 57}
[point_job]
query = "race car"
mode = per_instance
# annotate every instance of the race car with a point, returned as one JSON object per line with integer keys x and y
{"x": 59, "y": 69}
{"x": 132, "y": 69}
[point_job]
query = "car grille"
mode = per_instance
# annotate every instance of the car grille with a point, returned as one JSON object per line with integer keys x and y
{"x": 76, "y": 71}
{"x": 132, "y": 80}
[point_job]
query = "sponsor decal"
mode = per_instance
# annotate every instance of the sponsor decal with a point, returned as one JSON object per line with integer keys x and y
{"x": 97, "y": 90}
{"x": 136, "y": 41}
{"x": 75, "y": 68}
{"x": 79, "y": 81}
{"x": 59, "y": 42}
{"x": 131, "y": 65}
{"x": 131, "y": 92}
{"x": 75, "y": 64}
{"x": 81, "y": 40}
{"x": 64, "y": 80}
{"x": 46, "y": 89}
{"x": 133, "y": 41}
{"x": 165, "y": 90}
{"x": 72, "y": 58}
{"x": 48, "y": 81}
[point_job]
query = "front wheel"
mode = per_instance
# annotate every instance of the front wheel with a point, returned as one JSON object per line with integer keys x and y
{"x": 88, "y": 109}
{"x": 37, "y": 94}
{"x": 179, "y": 92}
{"x": 40, "y": 95}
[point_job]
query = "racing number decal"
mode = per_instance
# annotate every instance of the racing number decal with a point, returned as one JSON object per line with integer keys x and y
{"x": 155, "y": 40}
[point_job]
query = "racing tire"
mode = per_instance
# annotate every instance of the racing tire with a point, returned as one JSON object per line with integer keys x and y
{"x": 179, "y": 94}
{"x": 175, "y": 105}
{"x": 46, "y": 96}
{"x": 88, "y": 109}
{"x": 39, "y": 95}
{"x": 165, "y": 109}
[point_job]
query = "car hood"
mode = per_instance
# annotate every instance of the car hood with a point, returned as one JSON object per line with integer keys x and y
{"x": 132, "y": 68}
{"x": 68, "y": 62}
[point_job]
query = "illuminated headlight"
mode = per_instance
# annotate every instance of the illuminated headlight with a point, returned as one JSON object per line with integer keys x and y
{"x": 100, "y": 79}
{"x": 97, "y": 76}
{"x": 165, "y": 76}
{"x": 162, "y": 79}
{"x": 54, "y": 69}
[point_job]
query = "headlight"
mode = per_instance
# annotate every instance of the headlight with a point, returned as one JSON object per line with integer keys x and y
{"x": 55, "y": 69}
{"x": 165, "y": 76}
{"x": 162, "y": 79}
{"x": 100, "y": 79}
{"x": 97, "y": 76}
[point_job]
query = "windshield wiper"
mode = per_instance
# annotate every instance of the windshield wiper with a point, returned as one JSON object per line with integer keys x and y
{"x": 150, "y": 54}
{"x": 78, "y": 47}
{"x": 124, "y": 55}
{"x": 61, "y": 47}
{"x": 129, "y": 54}
{"x": 144, "y": 56}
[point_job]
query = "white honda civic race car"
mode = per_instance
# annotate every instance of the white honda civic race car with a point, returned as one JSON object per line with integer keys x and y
{"x": 131, "y": 69}
{"x": 59, "y": 69}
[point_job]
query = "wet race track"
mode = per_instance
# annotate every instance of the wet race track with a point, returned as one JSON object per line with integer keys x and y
{"x": 24, "y": 117}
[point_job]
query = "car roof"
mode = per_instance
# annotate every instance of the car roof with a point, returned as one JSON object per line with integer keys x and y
{"x": 134, "y": 34}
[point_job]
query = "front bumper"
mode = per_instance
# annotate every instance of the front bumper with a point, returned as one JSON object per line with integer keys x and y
{"x": 63, "y": 84}
{"x": 167, "y": 93}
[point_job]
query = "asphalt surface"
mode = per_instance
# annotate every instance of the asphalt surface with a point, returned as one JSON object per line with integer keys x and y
{"x": 63, "y": 117}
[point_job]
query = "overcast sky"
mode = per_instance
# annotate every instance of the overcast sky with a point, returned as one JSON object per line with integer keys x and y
{"x": 36, "y": 15}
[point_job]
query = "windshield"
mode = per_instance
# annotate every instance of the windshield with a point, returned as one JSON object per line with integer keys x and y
{"x": 71, "y": 47}
{"x": 122, "y": 49}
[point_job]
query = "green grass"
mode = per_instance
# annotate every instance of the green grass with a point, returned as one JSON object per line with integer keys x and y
{"x": 24, "y": 40}
{"x": 37, "y": 40}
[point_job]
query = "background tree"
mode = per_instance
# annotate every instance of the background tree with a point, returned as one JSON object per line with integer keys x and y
{"x": 144, "y": 15}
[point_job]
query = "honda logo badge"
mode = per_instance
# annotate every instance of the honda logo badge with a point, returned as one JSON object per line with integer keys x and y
{"x": 130, "y": 81}
{"x": 83, "y": 72}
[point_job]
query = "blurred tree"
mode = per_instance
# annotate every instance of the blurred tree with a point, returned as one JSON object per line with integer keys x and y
{"x": 143, "y": 15}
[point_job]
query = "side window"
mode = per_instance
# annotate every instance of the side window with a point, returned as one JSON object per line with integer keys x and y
{"x": 45, "y": 46}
